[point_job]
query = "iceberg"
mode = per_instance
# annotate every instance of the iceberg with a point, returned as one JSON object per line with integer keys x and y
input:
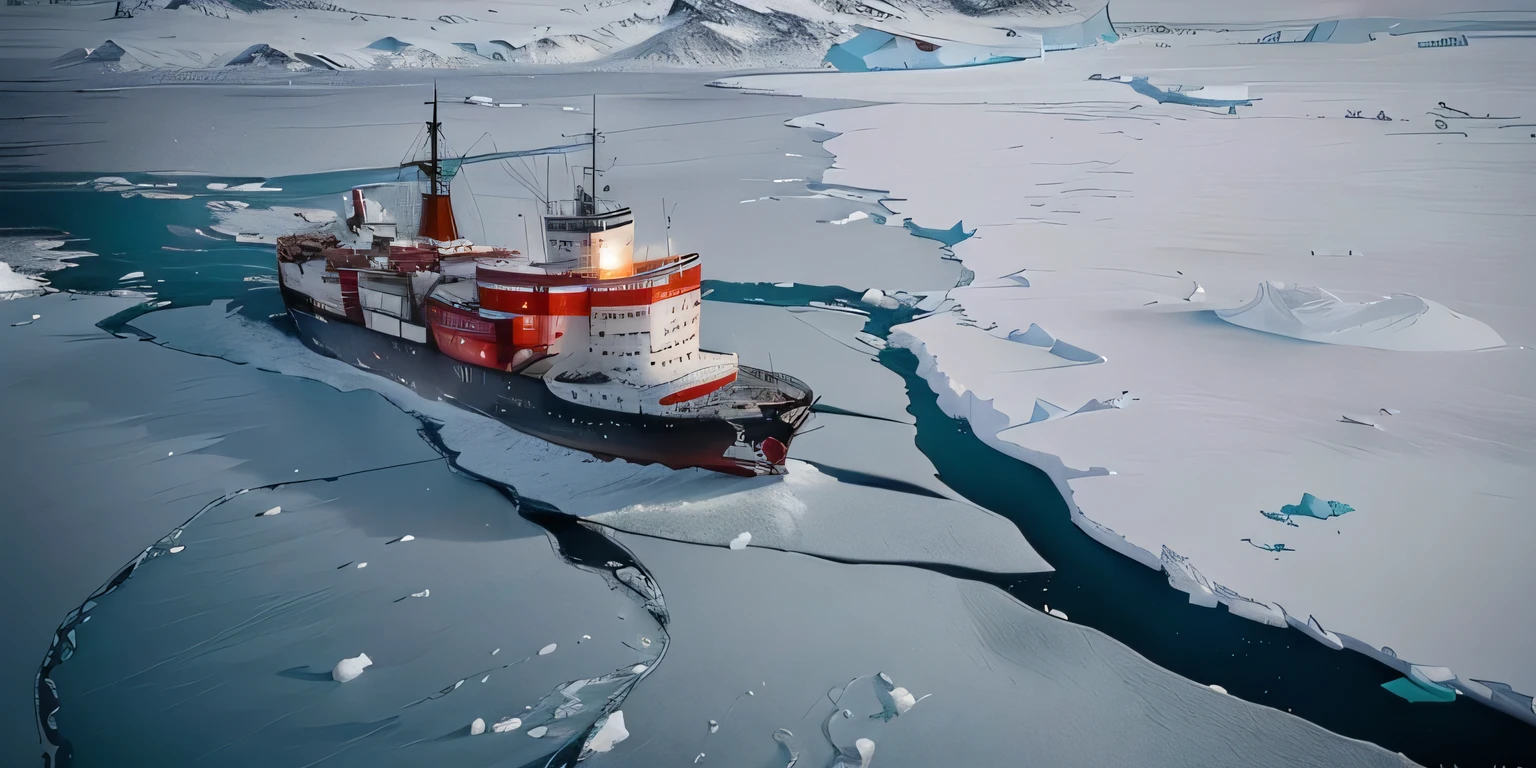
{"x": 1311, "y": 506}
{"x": 347, "y": 670}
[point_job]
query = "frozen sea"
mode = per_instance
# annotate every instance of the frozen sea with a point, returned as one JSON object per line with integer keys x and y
{"x": 172, "y": 415}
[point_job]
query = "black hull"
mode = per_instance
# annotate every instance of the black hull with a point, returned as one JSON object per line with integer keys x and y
{"x": 526, "y": 404}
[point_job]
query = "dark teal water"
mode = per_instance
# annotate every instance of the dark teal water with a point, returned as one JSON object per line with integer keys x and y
{"x": 1282, "y": 668}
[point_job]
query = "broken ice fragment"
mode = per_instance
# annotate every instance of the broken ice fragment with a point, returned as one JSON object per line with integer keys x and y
{"x": 349, "y": 669}
{"x": 638, "y": 668}
{"x": 423, "y": 593}
{"x": 498, "y": 650}
{"x": 585, "y": 637}
{"x": 362, "y": 565}
{"x": 1218, "y": 689}
{"x": 130, "y": 276}
{"x": 713, "y": 726}
{"x": 610, "y": 733}
{"x": 548, "y": 649}
{"x": 645, "y": 642}
{"x": 507, "y": 725}
{"x": 177, "y": 548}
{"x": 1056, "y": 612}
{"x": 477, "y": 727}
{"x": 1311, "y": 506}
{"x": 537, "y": 731}
{"x": 271, "y": 512}
{"x": 741, "y": 541}
{"x": 402, "y": 539}
{"x": 697, "y": 759}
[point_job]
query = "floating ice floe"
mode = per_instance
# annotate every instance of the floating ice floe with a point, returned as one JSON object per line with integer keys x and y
{"x": 362, "y": 565}
{"x": 423, "y": 593}
{"x": 713, "y": 726}
{"x": 177, "y": 548}
{"x": 548, "y": 649}
{"x": 477, "y": 727}
{"x": 538, "y": 731}
{"x": 271, "y": 512}
{"x": 741, "y": 541}
{"x": 948, "y": 237}
{"x": 402, "y": 539}
{"x": 1057, "y": 612}
{"x": 609, "y": 733}
{"x": 638, "y": 668}
{"x": 130, "y": 276}
{"x": 507, "y": 725}
{"x": 348, "y": 669}
{"x": 875, "y": 297}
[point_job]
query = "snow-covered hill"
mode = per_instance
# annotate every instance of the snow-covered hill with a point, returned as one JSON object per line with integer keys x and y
{"x": 302, "y": 35}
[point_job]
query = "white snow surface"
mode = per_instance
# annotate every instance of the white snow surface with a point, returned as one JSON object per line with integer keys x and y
{"x": 14, "y": 285}
{"x": 1119, "y": 214}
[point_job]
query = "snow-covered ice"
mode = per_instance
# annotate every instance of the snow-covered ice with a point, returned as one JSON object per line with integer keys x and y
{"x": 609, "y": 734}
{"x": 1121, "y": 211}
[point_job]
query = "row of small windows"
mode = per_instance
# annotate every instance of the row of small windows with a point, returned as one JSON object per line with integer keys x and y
{"x": 688, "y": 356}
{"x": 622, "y": 315}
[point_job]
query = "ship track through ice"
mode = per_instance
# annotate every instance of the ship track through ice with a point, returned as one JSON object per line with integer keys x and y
{"x": 589, "y": 349}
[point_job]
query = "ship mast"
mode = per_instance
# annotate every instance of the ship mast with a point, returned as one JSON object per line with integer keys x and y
{"x": 434, "y": 126}
{"x": 588, "y": 202}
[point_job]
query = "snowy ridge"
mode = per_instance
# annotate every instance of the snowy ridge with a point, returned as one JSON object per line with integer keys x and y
{"x": 300, "y": 35}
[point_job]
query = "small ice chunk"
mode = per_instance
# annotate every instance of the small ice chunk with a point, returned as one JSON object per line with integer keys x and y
{"x": 645, "y": 642}
{"x": 1218, "y": 689}
{"x": 362, "y": 565}
{"x": 402, "y": 539}
{"x": 741, "y": 541}
{"x": 1057, "y": 612}
{"x": 130, "y": 276}
{"x": 170, "y": 453}
{"x": 697, "y": 759}
{"x": 177, "y": 548}
{"x": 611, "y": 733}
{"x": 585, "y": 637}
{"x": 423, "y": 593}
{"x": 507, "y": 725}
{"x": 271, "y": 512}
{"x": 498, "y": 650}
{"x": 477, "y": 727}
{"x": 349, "y": 669}
{"x": 866, "y": 748}
{"x": 904, "y": 700}
{"x": 477, "y": 100}
{"x": 548, "y": 649}
{"x": 485, "y": 679}
{"x": 713, "y": 726}
{"x": 638, "y": 668}
{"x": 537, "y": 731}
